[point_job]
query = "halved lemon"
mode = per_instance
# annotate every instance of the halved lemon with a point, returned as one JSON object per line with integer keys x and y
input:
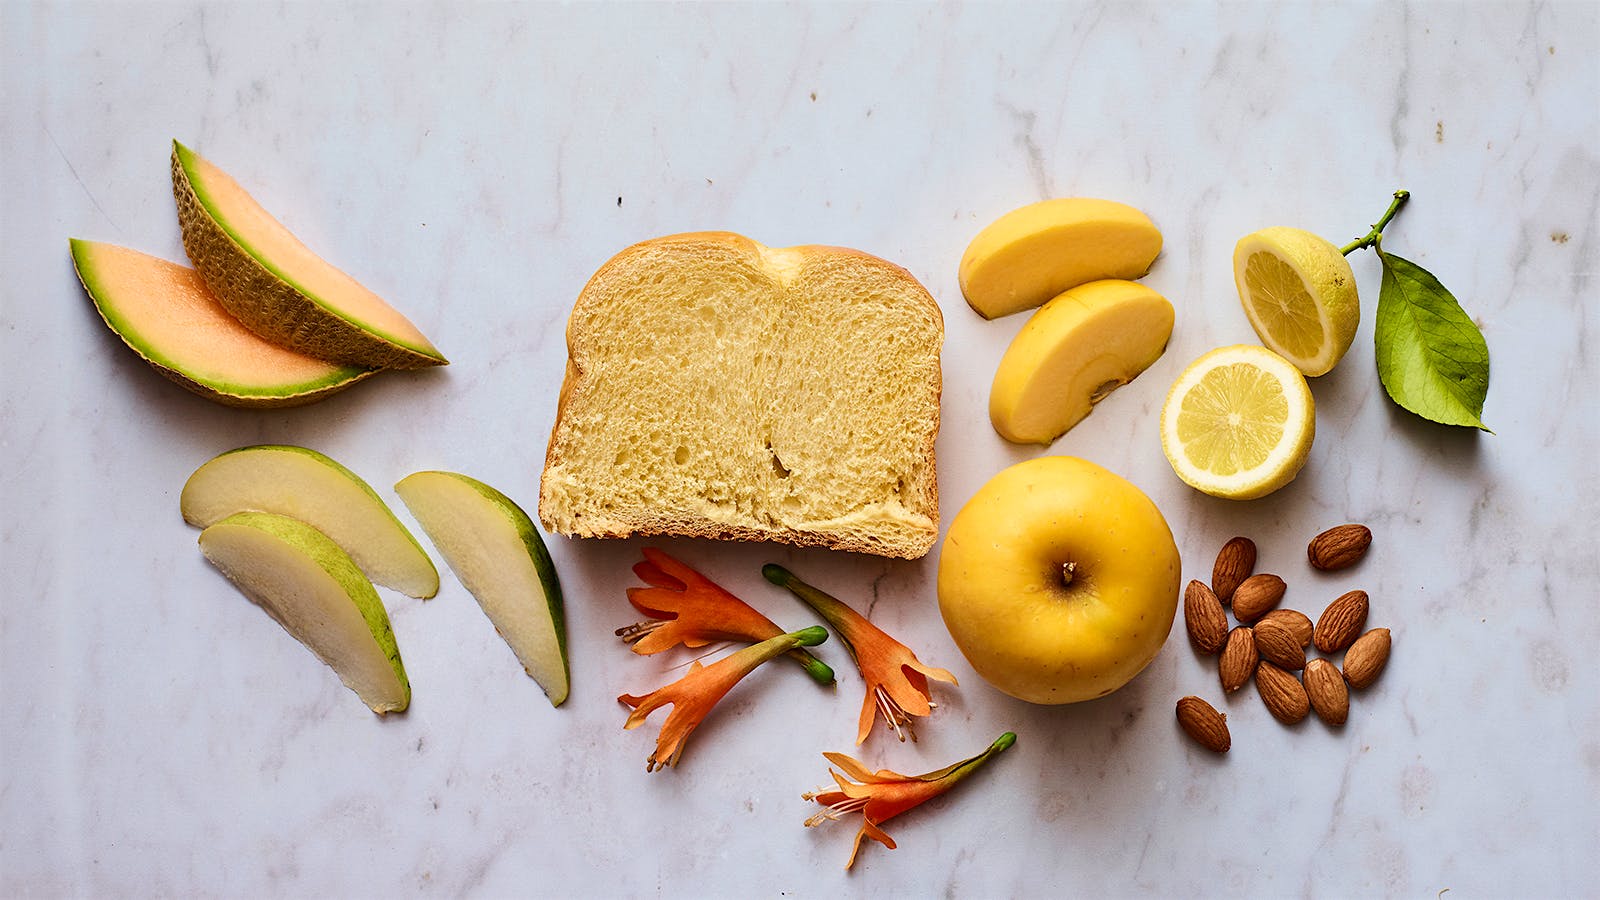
{"x": 1238, "y": 423}
{"x": 1300, "y": 295}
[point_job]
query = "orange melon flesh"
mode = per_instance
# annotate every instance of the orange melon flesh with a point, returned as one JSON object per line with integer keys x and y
{"x": 280, "y": 252}
{"x": 165, "y": 313}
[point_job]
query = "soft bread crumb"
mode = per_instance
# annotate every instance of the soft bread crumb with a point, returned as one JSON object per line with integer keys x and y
{"x": 718, "y": 388}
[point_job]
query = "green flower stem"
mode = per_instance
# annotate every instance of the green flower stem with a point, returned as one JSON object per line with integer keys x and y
{"x": 829, "y": 607}
{"x": 809, "y": 636}
{"x": 1371, "y": 239}
{"x": 819, "y": 671}
{"x": 954, "y": 773}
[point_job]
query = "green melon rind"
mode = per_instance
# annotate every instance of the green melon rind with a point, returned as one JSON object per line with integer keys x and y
{"x": 226, "y": 393}
{"x": 543, "y": 565}
{"x": 341, "y": 568}
{"x": 266, "y": 300}
{"x": 427, "y": 592}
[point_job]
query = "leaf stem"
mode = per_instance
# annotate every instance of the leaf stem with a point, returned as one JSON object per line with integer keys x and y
{"x": 1371, "y": 238}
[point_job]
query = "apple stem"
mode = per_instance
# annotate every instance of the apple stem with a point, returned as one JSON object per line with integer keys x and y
{"x": 1400, "y": 198}
{"x": 1066, "y": 572}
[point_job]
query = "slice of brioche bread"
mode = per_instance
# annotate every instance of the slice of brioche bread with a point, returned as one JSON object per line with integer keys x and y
{"x": 718, "y": 388}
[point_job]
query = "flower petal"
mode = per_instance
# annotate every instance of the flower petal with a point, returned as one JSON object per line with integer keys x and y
{"x": 859, "y": 772}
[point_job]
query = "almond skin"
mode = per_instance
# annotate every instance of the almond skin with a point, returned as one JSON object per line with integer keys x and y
{"x": 1341, "y": 622}
{"x": 1339, "y": 547}
{"x": 1365, "y": 659}
{"x": 1298, "y": 623}
{"x": 1256, "y": 596}
{"x": 1283, "y": 694}
{"x": 1234, "y": 564}
{"x": 1204, "y": 617}
{"x": 1279, "y": 646}
{"x": 1326, "y": 689}
{"x": 1201, "y": 721}
{"x": 1239, "y": 658}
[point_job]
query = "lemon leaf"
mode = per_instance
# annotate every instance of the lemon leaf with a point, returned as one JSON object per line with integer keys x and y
{"x": 1432, "y": 359}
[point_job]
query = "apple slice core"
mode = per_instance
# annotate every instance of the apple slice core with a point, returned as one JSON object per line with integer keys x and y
{"x": 496, "y": 551}
{"x": 1072, "y": 353}
{"x": 306, "y": 485}
{"x": 313, "y": 589}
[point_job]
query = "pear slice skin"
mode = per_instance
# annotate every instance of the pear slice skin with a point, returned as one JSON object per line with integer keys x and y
{"x": 1072, "y": 353}
{"x": 315, "y": 591}
{"x": 276, "y": 286}
{"x": 165, "y": 313}
{"x": 306, "y": 485}
{"x": 1031, "y": 254}
{"x": 496, "y": 551}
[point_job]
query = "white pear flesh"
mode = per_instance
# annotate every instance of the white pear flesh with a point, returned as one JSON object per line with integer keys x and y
{"x": 306, "y": 485}
{"x": 496, "y": 551}
{"x": 1072, "y": 353}
{"x": 316, "y": 592}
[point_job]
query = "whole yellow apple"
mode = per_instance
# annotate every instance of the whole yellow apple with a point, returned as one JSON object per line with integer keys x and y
{"x": 1058, "y": 580}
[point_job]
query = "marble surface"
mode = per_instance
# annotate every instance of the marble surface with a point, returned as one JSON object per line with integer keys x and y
{"x": 475, "y": 163}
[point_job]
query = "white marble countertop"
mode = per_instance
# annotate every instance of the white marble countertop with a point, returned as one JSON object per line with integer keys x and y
{"x": 475, "y": 163}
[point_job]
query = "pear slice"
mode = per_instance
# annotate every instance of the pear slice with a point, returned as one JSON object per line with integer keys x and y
{"x": 1073, "y": 352}
{"x": 313, "y": 589}
{"x": 276, "y": 286}
{"x": 306, "y": 485}
{"x": 165, "y": 313}
{"x": 1031, "y": 254}
{"x": 496, "y": 551}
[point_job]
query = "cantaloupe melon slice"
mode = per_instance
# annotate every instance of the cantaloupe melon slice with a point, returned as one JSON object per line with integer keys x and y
{"x": 164, "y": 313}
{"x": 276, "y": 286}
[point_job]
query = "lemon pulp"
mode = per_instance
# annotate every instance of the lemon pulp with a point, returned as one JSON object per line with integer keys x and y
{"x": 1238, "y": 423}
{"x": 1299, "y": 293}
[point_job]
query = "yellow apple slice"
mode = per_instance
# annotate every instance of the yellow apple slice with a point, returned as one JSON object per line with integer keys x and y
{"x": 1031, "y": 254}
{"x": 1072, "y": 353}
{"x": 306, "y": 485}
{"x": 276, "y": 286}
{"x": 496, "y": 551}
{"x": 313, "y": 589}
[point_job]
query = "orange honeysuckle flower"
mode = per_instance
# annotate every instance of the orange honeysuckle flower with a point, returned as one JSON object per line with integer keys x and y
{"x": 685, "y": 607}
{"x": 897, "y": 682}
{"x": 880, "y": 796}
{"x": 693, "y": 696}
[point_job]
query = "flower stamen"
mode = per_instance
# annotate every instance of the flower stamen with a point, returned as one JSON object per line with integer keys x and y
{"x": 894, "y": 717}
{"x": 834, "y": 812}
{"x": 632, "y": 633}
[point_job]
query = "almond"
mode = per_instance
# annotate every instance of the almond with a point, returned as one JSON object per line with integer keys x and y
{"x": 1325, "y": 687}
{"x": 1298, "y": 623}
{"x": 1341, "y": 622}
{"x": 1279, "y": 646}
{"x": 1201, "y": 721}
{"x": 1283, "y": 694}
{"x": 1366, "y": 657}
{"x": 1239, "y": 658}
{"x": 1255, "y": 596}
{"x": 1339, "y": 547}
{"x": 1203, "y": 614}
{"x": 1234, "y": 564}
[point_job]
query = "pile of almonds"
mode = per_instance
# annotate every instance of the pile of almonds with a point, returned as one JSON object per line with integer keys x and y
{"x": 1269, "y": 644}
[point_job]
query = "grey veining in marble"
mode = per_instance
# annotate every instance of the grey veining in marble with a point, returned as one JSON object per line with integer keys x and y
{"x": 474, "y": 163}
